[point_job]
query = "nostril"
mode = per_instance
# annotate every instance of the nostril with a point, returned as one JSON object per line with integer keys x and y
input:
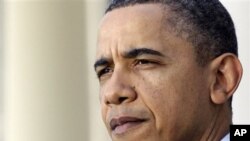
{"x": 107, "y": 102}
{"x": 121, "y": 99}
{"x": 118, "y": 101}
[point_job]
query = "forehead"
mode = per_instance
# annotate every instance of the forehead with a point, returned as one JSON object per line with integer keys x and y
{"x": 130, "y": 26}
{"x": 141, "y": 14}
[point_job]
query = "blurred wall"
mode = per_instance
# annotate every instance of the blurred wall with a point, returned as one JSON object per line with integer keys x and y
{"x": 46, "y": 72}
{"x": 240, "y": 12}
{"x": 51, "y": 90}
{"x": 94, "y": 11}
{"x": 1, "y": 71}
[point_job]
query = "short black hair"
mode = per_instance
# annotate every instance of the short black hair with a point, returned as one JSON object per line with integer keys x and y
{"x": 205, "y": 23}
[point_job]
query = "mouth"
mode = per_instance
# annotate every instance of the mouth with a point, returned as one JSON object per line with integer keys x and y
{"x": 123, "y": 124}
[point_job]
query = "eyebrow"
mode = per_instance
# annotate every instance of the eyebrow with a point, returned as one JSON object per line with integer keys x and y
{"x": 133, "y": 53}
{"x": 141, "y": 51}
{"x": 101, "y": 62}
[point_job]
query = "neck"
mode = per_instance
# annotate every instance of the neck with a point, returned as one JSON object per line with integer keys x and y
{"x": 219, "y": 126}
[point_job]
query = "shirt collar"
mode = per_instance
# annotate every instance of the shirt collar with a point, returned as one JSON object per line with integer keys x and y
{"x": 226, "y": 138}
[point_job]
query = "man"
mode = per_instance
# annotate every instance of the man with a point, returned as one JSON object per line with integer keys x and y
{"x": 167, "y": 70}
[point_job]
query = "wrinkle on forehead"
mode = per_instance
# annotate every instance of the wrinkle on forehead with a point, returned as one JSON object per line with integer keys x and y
{"x": 128, "y": 27}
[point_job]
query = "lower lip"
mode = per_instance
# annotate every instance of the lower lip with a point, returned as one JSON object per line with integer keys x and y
{"x": 126, "y": 127}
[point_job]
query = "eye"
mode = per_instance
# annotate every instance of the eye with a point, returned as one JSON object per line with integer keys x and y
{"x": 104, "y": 71}
{"x": 145, "y": 62}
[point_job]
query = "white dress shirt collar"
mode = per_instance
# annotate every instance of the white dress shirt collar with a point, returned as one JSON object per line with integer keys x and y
{"x": 226, "y": 138}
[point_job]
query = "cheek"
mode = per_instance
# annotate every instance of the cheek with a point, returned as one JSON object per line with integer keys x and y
{"x": 157, "y": 93}
{"x": 104, "y": 108}
{"x": 171, "y": 98}
{"x": 103, "y": 112}
{"x": 156, "y": 89}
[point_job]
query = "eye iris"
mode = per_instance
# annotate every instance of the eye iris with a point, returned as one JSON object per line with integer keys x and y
{"x": 107, "y": 70}
{"x": 104, "y": 71}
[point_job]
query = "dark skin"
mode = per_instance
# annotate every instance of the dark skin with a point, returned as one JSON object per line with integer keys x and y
{"x": 150, "y": 78}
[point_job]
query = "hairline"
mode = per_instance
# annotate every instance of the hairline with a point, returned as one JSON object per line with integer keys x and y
{"x": 167, "y": 17}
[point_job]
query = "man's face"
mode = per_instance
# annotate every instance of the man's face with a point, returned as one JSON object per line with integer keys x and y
{"x": 151, "y": 87}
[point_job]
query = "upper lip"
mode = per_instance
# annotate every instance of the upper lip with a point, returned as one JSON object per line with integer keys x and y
{"x": 123, "y": 120}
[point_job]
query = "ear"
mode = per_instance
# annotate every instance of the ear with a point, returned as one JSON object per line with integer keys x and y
{"x": 226, "y": 71}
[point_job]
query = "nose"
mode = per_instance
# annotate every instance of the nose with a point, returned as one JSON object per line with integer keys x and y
{"x": 118, "y": 90}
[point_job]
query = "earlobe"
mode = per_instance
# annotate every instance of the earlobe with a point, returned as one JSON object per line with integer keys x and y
{"x": 227, "y": 72}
